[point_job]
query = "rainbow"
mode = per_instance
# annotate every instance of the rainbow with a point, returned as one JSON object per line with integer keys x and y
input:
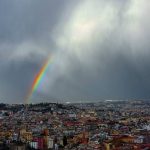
{"x": 38, "y": 78}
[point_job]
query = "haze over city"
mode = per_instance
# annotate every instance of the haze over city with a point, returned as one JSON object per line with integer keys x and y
{"x": 96, "y": 50}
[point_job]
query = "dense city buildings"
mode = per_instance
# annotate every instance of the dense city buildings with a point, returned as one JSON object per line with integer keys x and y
{"x": 104, "y": 125}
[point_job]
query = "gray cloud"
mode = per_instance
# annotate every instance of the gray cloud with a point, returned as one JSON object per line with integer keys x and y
{"x": 100, "y": 49}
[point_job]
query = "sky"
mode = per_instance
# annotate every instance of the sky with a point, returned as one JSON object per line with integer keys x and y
{"x": 100, "y": 50}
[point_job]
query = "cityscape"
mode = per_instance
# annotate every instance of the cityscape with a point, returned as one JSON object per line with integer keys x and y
{"x": 103, "y": 125}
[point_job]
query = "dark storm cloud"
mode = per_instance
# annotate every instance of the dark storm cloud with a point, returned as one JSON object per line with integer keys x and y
{"x": 120, "y": 78}
{"x": 100, "y": 49}
{"x": 25, "y": 29}
{"x": 114, "y": 63}
{"x": 15, "y": 79}
{"x": 21, "y": 20}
